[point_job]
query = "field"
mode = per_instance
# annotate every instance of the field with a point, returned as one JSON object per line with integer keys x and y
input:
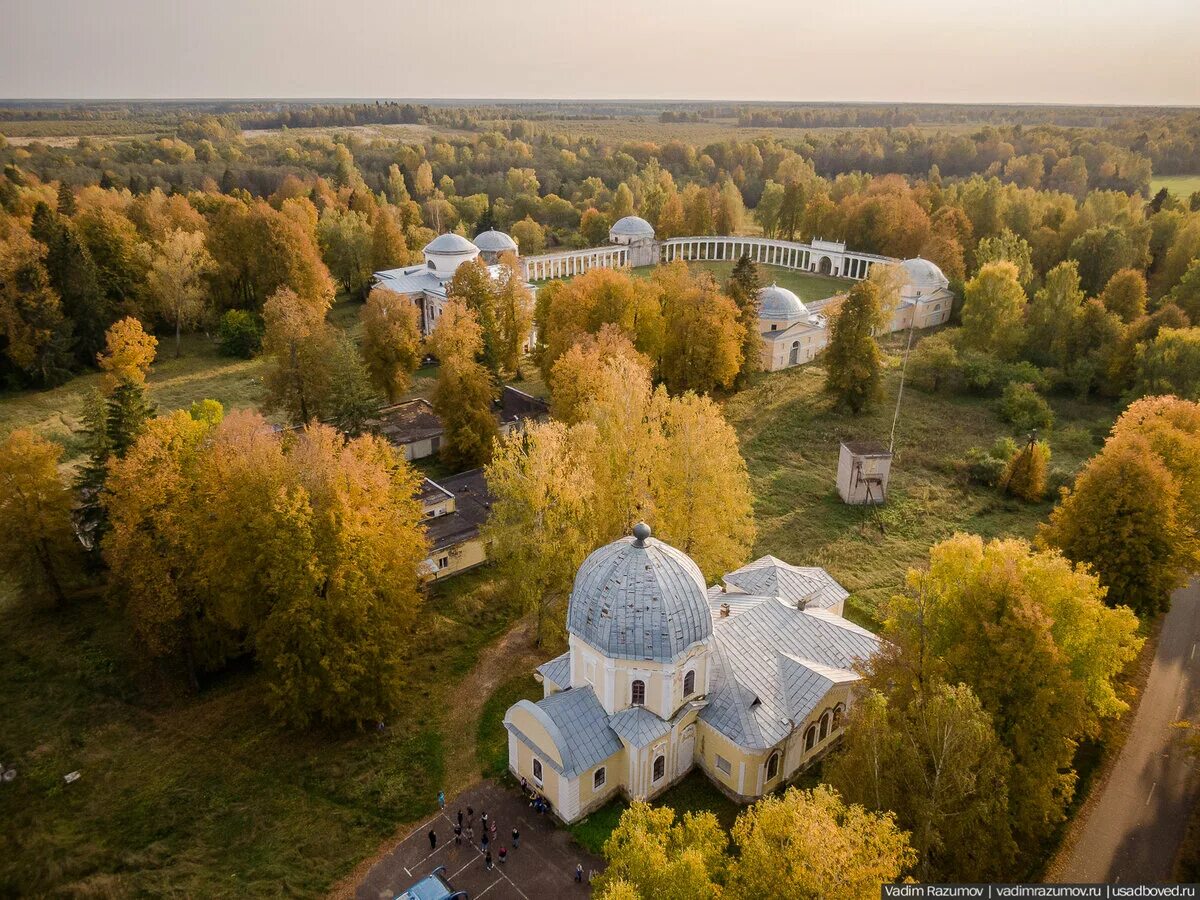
{"x": 201, "y": 796}
{"x": 1182, "y": 186}
{"x": 790, "y": 438}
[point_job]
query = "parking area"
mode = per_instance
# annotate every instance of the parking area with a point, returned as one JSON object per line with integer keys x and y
{"x": 542, "y": 866}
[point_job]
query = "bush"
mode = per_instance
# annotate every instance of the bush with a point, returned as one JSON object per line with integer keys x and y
{"x": 984, "y": 468}
{"x": 240, "y": 334}
{"x": 1025, "y": 474}
{"x": 1024, "y": 407}
{"x": 935, "y": 364}
{"x": 1059, "y": 479}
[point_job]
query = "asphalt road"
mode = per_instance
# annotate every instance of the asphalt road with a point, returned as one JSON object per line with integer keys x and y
{"x": 1134, "y": 831}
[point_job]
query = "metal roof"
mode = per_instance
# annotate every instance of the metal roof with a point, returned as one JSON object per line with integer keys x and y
{"x": 632, "y": 226}
{"x": 637, "y": 726}
{"x": 639, "y": 599}
{"x": 775, "y": 302}
{"x": 771, "y": 577}
{"x": 450, "y": 243}
{"x": 577, "y": 724}
{"x": 558, "y": 671}
{"x": 494, "y": 241}
{"x": 774, "y": 664}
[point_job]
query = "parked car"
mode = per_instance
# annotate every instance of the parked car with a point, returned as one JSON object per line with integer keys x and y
{"x": 433, "y": 886}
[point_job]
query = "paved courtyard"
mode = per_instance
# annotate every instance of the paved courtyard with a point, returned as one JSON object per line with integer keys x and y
{"x": 542, "y": 867}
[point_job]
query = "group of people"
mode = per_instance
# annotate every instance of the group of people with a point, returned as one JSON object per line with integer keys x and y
{"x": 537, "y": 802}
{"x": 488, "y": 829}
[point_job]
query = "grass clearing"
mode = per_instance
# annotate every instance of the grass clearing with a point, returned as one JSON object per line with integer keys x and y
{"x": 202, "y": 796}
{"x": 1182, "y": 186}
{"x": 491, "y": 742}
{"x": 806, "y": 286}
{"x": 790, "y": 437}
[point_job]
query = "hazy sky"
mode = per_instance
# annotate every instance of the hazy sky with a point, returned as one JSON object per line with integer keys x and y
{"x": 1091, "y": 51}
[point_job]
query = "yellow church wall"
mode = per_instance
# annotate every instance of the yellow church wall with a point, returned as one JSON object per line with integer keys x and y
{"x": 524, "y": 722}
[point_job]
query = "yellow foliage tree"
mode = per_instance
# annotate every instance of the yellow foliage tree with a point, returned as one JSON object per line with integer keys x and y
{"x": 703, "y": 335}
{"x": 811, "y": 845}
{"x": 576, "y": 376}
{"x": 128, "y": 353}
{"x": 391, "y": 341}
{"x": 37, "y": 542}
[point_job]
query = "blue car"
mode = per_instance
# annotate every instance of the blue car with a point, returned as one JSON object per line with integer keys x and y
{"x": 433, "y": 886}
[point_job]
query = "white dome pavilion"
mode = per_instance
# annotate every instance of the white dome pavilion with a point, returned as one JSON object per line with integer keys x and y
{"x": 778, "y": 304}
{"x": 495, "y": 242}
{"x": 924, "y": 277}
{"x": 630, "y": 229}
{"x": 446, "y": 252}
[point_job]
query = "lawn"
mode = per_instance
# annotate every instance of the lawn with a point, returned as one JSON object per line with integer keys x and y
{"x": 695, "y": 793}
{"x": 202, "y": 796}
{"x": 790, "y": 437}
{"x": 805, "y": 286}
{"x": 491, "y": 743}
{"x": 1182, "y": 186}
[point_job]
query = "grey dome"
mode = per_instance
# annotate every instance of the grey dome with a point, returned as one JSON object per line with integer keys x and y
{"x": 450, "y": 243}
{"x": 493, "y": 241}
{"x": 638, "y": 598}
{"x": 775, "y": 302}
{"x": 924, "y": 277}
{"x": 631, "y": 226}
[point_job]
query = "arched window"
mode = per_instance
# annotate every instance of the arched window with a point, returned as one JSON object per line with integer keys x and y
{"x": 825, "y": 725}
{"x": 810, "y": 737}
{"x": 689, "y": 684}
{"x": 794, "y": 356}
{"x": 598, "y": 778}
{"x": 773, "y": 765}
{"x": 638, "y": 693}
{"x": 430, "y": 265}
{"x": 839, "y": 713}
{"x": 537, "y": 770}
{"x": 660, "y": 767}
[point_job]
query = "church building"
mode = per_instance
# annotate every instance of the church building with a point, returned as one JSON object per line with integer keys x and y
{"x": 749, "y": 680}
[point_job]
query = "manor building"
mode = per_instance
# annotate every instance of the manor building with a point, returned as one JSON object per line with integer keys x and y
{"x": 792, "y": 332}
{"x": 749, "y": 680}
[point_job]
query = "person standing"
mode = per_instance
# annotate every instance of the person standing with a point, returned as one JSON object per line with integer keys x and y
{"x": 460, "y": 818}
{"x": 457, "y": 835}
{"x": 503, "y": 855}
{"x": 432, "y": 840}
{"x": 579, "y": 873}
{"x": 487, "y": 860}
{"x": 441, "y": 799}
{"x": 516, "y": 838}
{"x": 483, "y": 841}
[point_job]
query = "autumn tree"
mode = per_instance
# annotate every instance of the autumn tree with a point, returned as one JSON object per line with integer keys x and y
{"x": 34, "y": 334}
{"x": 578, "y": 374}
{"x": 1052, "y": 314}
{"x": 1006, "y": 247}
{"x": 994, "y": 310}
{"x": 391, "y": 341}
{"x": 388, "y": 247}
{"x": 1123, "y": 518}
{"x": 1029, "y": 634}
{"x": 514, "y": 315}
{"x": 177, "y": 279}
{"x": 1170, "y": 364}
{"x": 345, "y": 584}
{"x": 853, "y": 362}
{"x": 1125, "y": 294}
{"x": 128, "y": 353}
{"x": 1025, "y": 474}
{"x": 703, "y": 334}
{"x": 472, "y": 285}
{"x": 659, "y": 856}
{"x": 935, "y": 761}
{"x": 812, "y": 844}
{"x": 464, "y": 392}
{"x": 745, "y": 281}
{"x": 149, "y": 497}
{"x": 37, "y": 540}
{"x": 699, "y": 462}
{"x": 541, "y": 521}
{"x": 296, "y": 343}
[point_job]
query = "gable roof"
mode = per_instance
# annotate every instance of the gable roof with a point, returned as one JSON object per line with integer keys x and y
{"x": 771, "y": 577}
{"x": 773, "y": 666}
{"x": 557, "y": 671}
{"x": 577, "y": 724}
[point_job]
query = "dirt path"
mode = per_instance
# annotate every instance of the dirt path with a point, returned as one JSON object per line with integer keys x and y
{"x": 514, "y": 651}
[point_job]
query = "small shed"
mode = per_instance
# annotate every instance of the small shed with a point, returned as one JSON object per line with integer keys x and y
{"x": 863, "y": 469}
